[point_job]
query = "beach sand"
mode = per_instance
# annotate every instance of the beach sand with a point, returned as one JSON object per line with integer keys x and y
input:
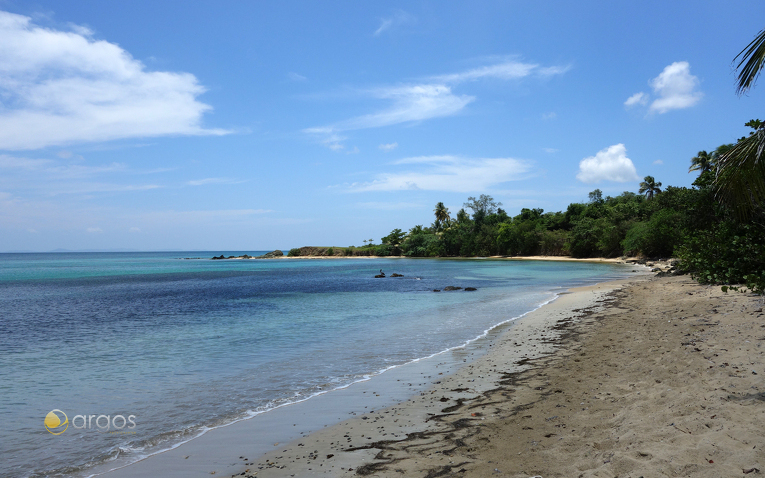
{"x": 661, "y": 378}
{"x": 644, "y": 377}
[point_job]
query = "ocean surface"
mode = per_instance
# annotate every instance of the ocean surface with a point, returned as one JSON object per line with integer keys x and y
{"x": 184, "y": 345}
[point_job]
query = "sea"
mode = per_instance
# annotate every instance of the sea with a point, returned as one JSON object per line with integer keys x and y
{"x": 111, "y": 357}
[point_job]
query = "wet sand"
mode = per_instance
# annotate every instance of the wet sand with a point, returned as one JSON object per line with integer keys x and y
{"x": 428, "y": 384}
{"x": 660, "y": 378}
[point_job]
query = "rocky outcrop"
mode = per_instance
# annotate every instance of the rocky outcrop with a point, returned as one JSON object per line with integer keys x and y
{"x": 271, "y": 255}
{"x": 451, "y": 287}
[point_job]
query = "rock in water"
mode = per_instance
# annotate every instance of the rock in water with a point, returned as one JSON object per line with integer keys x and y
{"x": 396, "y": 275}
{"x": 451, "y": 287}
{"x": 468, "y": 289}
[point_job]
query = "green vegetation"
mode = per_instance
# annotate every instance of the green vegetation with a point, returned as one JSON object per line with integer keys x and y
{"x": 716, "y": 228}
{"x": 699, "y": 225}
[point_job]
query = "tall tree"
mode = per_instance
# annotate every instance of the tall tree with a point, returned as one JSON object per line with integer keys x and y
{"x": 649, "y": 187}
{"x": 442, "y": 216}
{"x": 702, "y": 162}
{"x": 482, "y": 206}
{"x": 740, "y": 181}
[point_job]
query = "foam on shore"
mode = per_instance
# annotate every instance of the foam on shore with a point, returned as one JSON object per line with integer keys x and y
{"x": 355, "y": 416}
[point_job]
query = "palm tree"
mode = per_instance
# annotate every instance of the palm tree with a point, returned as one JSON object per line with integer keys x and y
{"x": 442, "y": 215}
{"x": 740, "y": 180}
{"x": 752, "y": 58}
{"x": 702, "y": 162}
{"x": 649, "y": 187}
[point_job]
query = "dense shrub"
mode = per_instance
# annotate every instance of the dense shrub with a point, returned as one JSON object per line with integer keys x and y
{"x": 727, "y": 253}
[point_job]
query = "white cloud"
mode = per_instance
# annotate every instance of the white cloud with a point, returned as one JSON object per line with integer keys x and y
{"x": 200, "y": 182}
{"x": 433, "y": 98}
{"x": 638, "y": 98}
{"x": 506, "y": 70}
{"x": 550, "y": 150}
{"x": 62, "y": 87}
{"x": 549, "y": 116}
{"x": 94, "y": 230}
{"x": 135, "y": 229}
{"x": 658, "y": 162}
{"x": 447, "y": 173}
{"x": 610, "y": 164}
{"x": 51, "y": 177}
{"x": 388, "y": 147}
{"x": 398, "y": 19}
{"x": 676, "y": 88}
{"x": 296, "y": 77}
{"x": 410, "y": 103}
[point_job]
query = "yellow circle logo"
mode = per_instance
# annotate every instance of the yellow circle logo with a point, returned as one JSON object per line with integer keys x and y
{"x": 54, "y": 423}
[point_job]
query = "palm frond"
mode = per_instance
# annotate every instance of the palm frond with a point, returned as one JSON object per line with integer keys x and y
{"x": 740, "y": 180}
{"x": 750, "y": 66}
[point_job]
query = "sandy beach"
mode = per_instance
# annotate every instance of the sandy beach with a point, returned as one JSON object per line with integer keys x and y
{"x": 643, "y": 377}
{"x": 662, "y": 377}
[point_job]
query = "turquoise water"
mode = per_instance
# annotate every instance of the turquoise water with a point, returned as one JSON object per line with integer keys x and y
{"x": 182, "y": 345}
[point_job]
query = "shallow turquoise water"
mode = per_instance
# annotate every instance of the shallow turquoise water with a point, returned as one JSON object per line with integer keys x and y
{"x": 187, "y": 344}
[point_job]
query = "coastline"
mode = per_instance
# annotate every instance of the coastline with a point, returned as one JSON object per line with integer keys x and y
{"x": 607, "y": 260}
{"x": 222, "y": 451}
{"x": 659, "y": 378}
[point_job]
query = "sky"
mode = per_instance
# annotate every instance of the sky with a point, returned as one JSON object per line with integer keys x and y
{"x": 205, "y": 125}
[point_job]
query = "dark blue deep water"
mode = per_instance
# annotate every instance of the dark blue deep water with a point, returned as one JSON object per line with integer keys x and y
{"x": 186, "y": 344}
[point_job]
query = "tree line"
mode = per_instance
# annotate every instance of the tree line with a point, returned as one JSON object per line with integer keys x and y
{"x": 713, "y": 240}
{"x": 716, "y": 228}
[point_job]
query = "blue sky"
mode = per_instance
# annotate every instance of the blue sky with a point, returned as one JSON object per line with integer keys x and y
{"x": 257, "y": 125}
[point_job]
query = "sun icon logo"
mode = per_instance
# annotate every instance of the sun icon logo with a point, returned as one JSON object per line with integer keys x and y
{"x": 54, "y": 423}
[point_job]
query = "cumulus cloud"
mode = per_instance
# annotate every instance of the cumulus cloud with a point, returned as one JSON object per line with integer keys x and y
{"x": 388, "y": 147}
{"x": 676, "y": 88}
{"x": 637, "y": 99}
{"x": 446, "y": 173}
{"x": 610, "y": 164}
{"x": 434, "y": 97}
{"x": 60, "y": 87}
